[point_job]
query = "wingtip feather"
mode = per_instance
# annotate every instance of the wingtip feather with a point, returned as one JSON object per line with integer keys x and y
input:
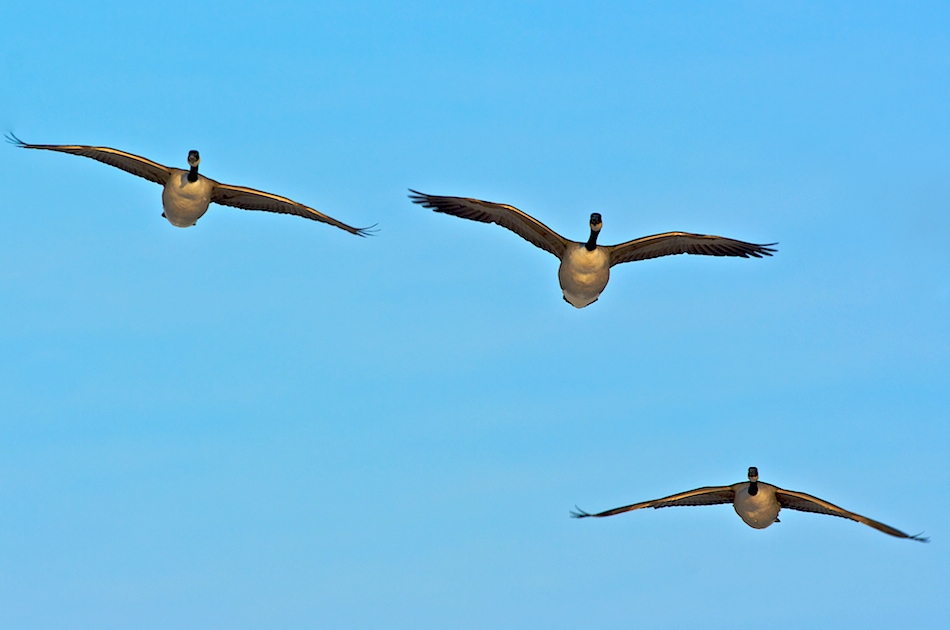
{"x": 579, "y": 513}
{"x": 367, "y": 231}
{"x": 418, "y": 197}
{"x": 12, "y": 139}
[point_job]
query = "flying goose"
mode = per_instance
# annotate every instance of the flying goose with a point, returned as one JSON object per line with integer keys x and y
{"x": 585, "y": 267}
{"x": 757, "y": 503}
{"x": 187, "y": 194}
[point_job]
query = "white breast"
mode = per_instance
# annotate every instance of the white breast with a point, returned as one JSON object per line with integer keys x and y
{"x": 185, "y": 202}
{"x": 583, "y": 274}
{"x": 757, "y": 511}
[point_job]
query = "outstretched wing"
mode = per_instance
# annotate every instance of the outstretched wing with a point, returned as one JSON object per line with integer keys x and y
{"x": 807, "y": 503}
{"x": 250, "y": 199}
{"x": 710, "y": 495}
{"x": 522, "y": 224}
{"x": 672, "y": 243}
{"x": 135, "y": 164}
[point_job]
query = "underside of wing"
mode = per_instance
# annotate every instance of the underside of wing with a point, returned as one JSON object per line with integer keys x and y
{"x": 522, "y": 224}
{"x": 128, "y": 162}
{"x": 710, "y": 495}
{"x": 673, "y": 243}
{"x": 250, "y": 199}
{"x": 806, "y": 503}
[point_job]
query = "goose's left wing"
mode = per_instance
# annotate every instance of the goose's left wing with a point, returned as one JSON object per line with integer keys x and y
{"x": 806, "y": 503}
{"x": 521, "y": 223}
{"x": 128, "y": 162}
{"x": 250, "y": 199}
{"x": 672, "y": 243}
{"x": 710, "y": 495}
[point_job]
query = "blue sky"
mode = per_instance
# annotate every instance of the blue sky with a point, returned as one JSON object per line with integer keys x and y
{"x": 265, "y": 422}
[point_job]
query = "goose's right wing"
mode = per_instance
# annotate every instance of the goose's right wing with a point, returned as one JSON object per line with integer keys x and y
{"x": 522, "y": 224}
{"x": 128, "y": 162}
{"x": 673, "y": 243}
{"x": 251, "y": 199}
{"x": 806, "y": 503}
{"x": 710, "y": 495}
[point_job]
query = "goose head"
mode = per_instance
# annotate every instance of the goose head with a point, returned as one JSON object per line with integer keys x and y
{"x": 596, "y": 223}
{"x": 753, "y": 480}
{"x": 193, "y": 161}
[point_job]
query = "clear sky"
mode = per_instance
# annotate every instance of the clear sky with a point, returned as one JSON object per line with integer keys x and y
{"x": 264, "y": 422}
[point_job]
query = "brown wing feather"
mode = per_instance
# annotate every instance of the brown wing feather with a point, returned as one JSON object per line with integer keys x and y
{"x": 807, "y": 503}
{"x": 673, "y": 243}
{"x": 128, "y": 162}
{"x": 710, "y": 495}
{"x": 522, "y": 224}
{"x": 250, "y": 199}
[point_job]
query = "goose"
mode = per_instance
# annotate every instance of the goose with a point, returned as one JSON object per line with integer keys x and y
{"x": 585, "y": 267}
{"x": 757, "y": 503}
{"x": 187, "y": 195}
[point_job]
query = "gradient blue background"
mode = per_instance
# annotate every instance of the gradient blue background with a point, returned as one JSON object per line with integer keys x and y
{"x": 263, "y": 422}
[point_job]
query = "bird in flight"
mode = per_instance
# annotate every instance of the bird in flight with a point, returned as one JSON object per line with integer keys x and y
{"x": 585, "y": 267}
{"x": 757, "y": 503}
{"x": 187, "y": 195}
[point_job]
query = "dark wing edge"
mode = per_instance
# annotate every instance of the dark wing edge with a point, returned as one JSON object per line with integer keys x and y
{"x": 509, "y": 217}
{"x": 251, "y": 199}
{"x": 710, "y": 495}
{"x": 128, "y": 162}
{"x": 807, "y": 503}
{"x": 674, "y": 243}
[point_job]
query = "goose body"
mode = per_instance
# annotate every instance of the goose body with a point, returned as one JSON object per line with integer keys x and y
{"x": 583, "y": 274}
{"x": 585, "y": 266}
{"x": 186, "y": 195}
{"x": 758, "y": 510}
{"x": 185, "y": 202}
{"x": 758, "y": 504}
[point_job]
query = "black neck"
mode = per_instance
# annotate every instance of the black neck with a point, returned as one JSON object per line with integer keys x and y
{"x": 193, "y": 174}
{"x": 753, "y": 488}
{"x": 591, "y": 243}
